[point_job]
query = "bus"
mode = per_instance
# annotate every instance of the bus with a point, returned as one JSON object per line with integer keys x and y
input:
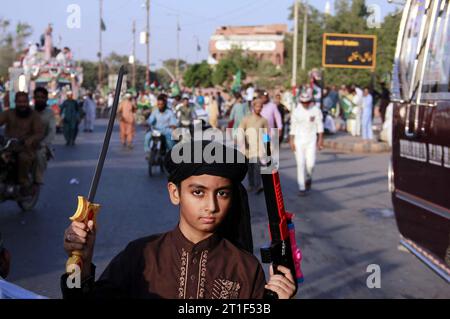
{"x": 419, "y": 174}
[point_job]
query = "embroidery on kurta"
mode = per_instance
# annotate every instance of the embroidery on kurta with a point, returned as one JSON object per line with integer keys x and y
{"x": 183, "y": 274}
{"x": 202, "y": 274}
{"x": 225, "y": 289}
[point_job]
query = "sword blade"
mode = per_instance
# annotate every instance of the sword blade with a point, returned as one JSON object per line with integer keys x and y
{"x": 112, "y": 117}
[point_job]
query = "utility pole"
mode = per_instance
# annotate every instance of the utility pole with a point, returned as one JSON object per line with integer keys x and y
{"x": 147, "y": 39}
{"x": 177, "y": 67}
{"x": 295, "y": 48}
{"x": 133, "y": 70}
{"x": 100, "y": 67}
{"x": 305, "y": 32}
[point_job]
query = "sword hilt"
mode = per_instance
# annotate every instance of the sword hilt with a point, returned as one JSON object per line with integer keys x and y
{"x": 86, "y": 212}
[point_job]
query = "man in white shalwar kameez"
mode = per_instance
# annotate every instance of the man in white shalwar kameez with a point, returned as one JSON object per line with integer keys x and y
{"x": 306, "y": 134}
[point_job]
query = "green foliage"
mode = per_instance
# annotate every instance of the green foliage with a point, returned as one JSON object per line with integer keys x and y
{"x": 23, "y": 31}
{"x": 235, "y": 60}
{"x": 90, "y": 74}
{"x": 11, "y": 43}
{"x": 111, "y": 65}
{"x": 171, "y": 65}
{"x": 198, "y": 75}
{"x": 349, "y": 17}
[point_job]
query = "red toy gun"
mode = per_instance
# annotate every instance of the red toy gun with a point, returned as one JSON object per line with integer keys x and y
{"x": 283, "y": 248}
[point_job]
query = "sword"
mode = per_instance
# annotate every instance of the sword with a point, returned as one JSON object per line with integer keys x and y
{"x": 87, "y": 210}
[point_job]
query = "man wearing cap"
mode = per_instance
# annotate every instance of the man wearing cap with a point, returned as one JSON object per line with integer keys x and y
{"x": 306, "y": 134}
{"x": 270, "y": 111}
{"x": 71, "y": 115}
{"x": 89, "y": 108}
{"x": 209, "y": 253}
{"x": 163, "y": 120}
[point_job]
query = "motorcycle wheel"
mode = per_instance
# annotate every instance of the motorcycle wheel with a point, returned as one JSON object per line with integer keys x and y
{"x": 28, "y": 203}
{"x": 151, "y": 161}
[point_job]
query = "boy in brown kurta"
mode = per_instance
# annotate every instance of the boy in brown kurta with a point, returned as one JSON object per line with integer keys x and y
{"x": 208, "y": 255}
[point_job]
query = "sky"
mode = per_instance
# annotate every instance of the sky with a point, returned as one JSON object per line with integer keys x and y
{"x": 198, "y": 19}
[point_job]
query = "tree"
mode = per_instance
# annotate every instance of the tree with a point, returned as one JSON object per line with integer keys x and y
{"x": 172, "y": 63}
{"x": 198, "y": 75}
{"x": 268, "y": 75}
{"x": 11, "y": 43}
{"x": 236, "y": 59}
{"x": 23, "y": 31}
{"x": 349, "y": 17}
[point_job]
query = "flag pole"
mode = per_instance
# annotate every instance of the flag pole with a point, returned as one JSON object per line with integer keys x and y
{"x": 100, "y": 67}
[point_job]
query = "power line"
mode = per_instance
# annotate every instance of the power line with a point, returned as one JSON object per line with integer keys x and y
{"x": 240, "y": 10}
{"x": 174, "y": 10}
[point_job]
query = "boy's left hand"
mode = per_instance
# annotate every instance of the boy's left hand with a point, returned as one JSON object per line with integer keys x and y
{"x": 283, "y": 285}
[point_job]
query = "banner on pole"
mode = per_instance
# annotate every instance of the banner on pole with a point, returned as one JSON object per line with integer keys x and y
{"x": 354, "y": 51}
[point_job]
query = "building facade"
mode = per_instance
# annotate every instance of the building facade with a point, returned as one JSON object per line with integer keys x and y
{"x": 265, "y": 42}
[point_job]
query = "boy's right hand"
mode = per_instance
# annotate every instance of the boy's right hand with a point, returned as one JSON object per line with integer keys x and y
{"x": 81, "y": 237}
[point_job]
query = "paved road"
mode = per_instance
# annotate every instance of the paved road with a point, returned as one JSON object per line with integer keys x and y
{"x": 343, "y": 226}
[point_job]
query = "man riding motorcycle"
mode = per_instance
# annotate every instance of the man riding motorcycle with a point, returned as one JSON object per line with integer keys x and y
{"x": 185, "y": 114}
{"x": 163, "y": 120}
{"x": 24, "y": 124}
{"x": 49, "y": 123}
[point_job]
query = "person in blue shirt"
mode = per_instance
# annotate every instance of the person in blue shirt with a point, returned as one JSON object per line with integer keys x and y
{"x": 163, "y": 120}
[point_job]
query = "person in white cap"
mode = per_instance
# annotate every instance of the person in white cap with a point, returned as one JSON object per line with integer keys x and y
{"x": 90, "y": 108}
{"x": 306, "y": 135}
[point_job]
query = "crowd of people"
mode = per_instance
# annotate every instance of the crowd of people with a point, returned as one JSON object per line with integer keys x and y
{"x": 299, "y": 118}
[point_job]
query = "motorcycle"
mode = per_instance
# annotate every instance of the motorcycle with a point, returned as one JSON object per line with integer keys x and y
{"x": 157, "y": 147}
{"x": 9, "y": 186}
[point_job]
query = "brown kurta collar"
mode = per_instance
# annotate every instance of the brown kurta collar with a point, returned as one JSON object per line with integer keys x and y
{"x": 181, "y": 242}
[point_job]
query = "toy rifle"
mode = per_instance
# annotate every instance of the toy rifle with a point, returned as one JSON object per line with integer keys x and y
{"x": 283, "y": 249}
{"x": 87, "y": 210}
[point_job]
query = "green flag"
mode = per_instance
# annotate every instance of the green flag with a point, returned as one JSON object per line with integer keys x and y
{"x": 102, "y": 25}
{"x": 175, "y": 88}
{"x": 236, "y": 87}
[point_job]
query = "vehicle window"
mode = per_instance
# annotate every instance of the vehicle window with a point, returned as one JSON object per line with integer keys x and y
{"x": 413, "y": 36}
{"x": 437, "y": 75}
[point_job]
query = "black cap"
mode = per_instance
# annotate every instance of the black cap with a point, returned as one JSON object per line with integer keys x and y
{"x": 205, "y": 157}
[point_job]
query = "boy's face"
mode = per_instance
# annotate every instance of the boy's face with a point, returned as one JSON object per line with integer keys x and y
{"x": 204, "y": 203}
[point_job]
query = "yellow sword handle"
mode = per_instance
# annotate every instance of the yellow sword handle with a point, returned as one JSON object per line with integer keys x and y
{"x": 86, "y": 212}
